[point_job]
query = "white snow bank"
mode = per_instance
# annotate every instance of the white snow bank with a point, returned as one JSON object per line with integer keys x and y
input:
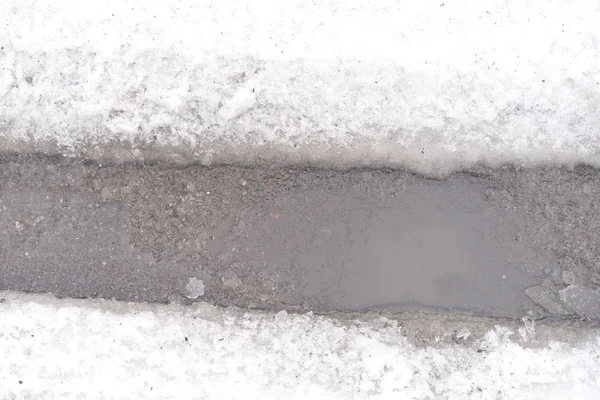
{"x": 98, "y": 349}
{"x": 432, "y": 85}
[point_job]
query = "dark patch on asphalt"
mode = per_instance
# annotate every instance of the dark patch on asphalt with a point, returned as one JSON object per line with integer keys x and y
{"x": 503, "y": 242}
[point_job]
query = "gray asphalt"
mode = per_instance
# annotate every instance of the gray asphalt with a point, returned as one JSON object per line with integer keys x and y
{"x": 502, "y": 242}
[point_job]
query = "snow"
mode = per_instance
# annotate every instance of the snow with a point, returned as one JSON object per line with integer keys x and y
{"x": 430, "y": 85}
{"x": 99, "y": 349}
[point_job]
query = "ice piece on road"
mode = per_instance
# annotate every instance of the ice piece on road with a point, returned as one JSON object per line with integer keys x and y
{"x": 547, "y": 299}
{"x": 583, "y": 300}
{"x": 195, "y": 288}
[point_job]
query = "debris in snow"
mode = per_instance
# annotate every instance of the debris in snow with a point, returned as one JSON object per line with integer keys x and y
{"x": 195, "y": 288}
{"x": 463, "y": 334}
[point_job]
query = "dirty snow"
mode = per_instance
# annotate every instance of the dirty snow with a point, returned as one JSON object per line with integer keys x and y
{"x": 97, "y": 349}
{"x": 432, "y": 85}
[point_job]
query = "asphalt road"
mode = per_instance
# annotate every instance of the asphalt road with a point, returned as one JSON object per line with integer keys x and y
{"x": 502, "y": 242}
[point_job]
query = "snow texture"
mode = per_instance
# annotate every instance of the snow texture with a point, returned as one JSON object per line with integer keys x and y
{"x": 429, "y": 85}
{"x": 97, "y": 349}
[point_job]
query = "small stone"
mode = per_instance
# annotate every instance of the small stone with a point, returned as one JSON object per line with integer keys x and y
{"x": 195, "y": 288}
{"x": 231, "y": 280}
{"x": 18, "y": 225}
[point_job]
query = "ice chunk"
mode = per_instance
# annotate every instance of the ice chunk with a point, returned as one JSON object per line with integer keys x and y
{"x": 528, "y": 331}
{"x": 195, "y": 288}
{"x": 583, "y": 300}
{"x": 547, "y": 299}
{"x": 281, "y": 316}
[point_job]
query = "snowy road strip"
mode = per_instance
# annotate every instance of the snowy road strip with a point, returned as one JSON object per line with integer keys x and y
{"x": 430, "y": 85}
{"x": 96, "y": 349}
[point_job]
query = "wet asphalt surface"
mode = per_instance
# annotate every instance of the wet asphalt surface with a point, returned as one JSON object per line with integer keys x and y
{"x": 502, "y": 242}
